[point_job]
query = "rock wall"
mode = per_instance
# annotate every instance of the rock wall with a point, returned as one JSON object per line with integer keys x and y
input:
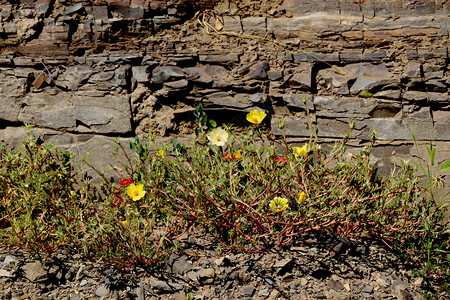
{"x": 86, "y": 71}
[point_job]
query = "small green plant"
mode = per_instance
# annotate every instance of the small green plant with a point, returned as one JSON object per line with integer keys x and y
{"x": 38, "y": 207}
{"x": 366, "y": 95}
{"x": 244, "y": 190}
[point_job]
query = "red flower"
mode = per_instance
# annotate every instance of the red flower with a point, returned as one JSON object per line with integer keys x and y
{"x": 126, "y": 182}
{"x": 280, "y": 160}
{"x": 227, "y": 156}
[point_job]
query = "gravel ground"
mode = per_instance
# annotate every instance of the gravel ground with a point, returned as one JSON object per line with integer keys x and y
{"x": 320, "y": 267}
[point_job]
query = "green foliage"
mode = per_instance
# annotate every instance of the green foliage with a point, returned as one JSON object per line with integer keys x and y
{"x": 37, "y": 210}
{"x": 445, "y": 167}
{"x": 225, "y": 193}
{"x": 366, "y": 95}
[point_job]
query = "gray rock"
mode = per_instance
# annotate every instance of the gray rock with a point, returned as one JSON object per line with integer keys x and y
{"x": 255, "y": 25}
{"x": 140, "y": 73}
{"x": 75, "y": 297}
{"x": 345, "y": 106}
{"x": 388, "y": 94}
{"x": 294, "y": 127}
{"x": 248, "y": 290}
{"x": 259, "y": 70}
{"x": 284, "y": 265}
{"x": 398, "y": 129}
{"x": 181, "y": 265}
{"x": 350, "y": 55}
{"x": 131, "y": 13}
{"x": 102, "y": 291}
{"x": 339, "y": 83}
{"x": 336, "y": 128}
{"x": 177, "y": 85}
{"x": 219, "y": 58}
{"x": 121, "y": 75}
{"x": 439, "y": 97}
{"x": 316, "y": 57}
{"x": 258, "y": 98}
{"x": 5, "y": 273}
{"x": 412, "y": 69}
{"x": 167, "y": 73}
{"x": 192, "y": 275}
{"x": 275, "y": 75}
{"x": 415, "y": 96}
{"x": 441, "y": 122}
{"x": 367, "y": 84}
{"x": 12, "y": 137}
{"x": 301, "y": 77}
{"x": 101, "y": 76}
{"x": 368, "y": 289}
{"x": 35, "y": 272}
{"x": 207, "y": 74}
{"x": 160, "y": 286}
{"x": 73, "y": 9}
{"x": 10, "y": 261}
{"x": 42, "y": 7}
{"x": 140, "y": 293}
{"x": 226, "y": 100}
{"x": 295, "y": 100}
{"x": 76, "y": 75}
{"x": 368, "y": 77}
{"x": 206, "y": 275}
{"x": 336, "y": 285}
{"x": 77, "y": 112}
{"x": 100, "y": 12}
{"x": 232, "y": 23}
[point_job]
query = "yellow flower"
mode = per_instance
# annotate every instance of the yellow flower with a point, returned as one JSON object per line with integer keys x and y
{"x": 278, "y": 204}
{"x": 256, "y": 116}
{"x": 217, "y": 136}
{"x": 160, "y": 153}
{"x": 300, "y": 151}
{"x": 125, "y": 223}
{"x": 301, "y": 198}
{"x": 237, "y": 155}
{"x": 136, "y": 192}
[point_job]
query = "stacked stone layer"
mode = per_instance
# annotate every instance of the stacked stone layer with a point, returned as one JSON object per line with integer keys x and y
{"x": 84, "y": 72}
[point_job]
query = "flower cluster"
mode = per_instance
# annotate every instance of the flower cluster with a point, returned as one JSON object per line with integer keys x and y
{"x": 237, "y": 155}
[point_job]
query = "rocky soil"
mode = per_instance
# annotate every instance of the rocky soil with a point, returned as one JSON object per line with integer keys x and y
{"x": 320, "y": 267}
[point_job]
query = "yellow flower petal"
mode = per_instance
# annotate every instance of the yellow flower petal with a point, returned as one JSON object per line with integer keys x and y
{"x": 278, "y": 204}
{"x": 256, "y": 116}
{"x": 300, "y": 151}
{"x": 301, "y": 198}
{"x": 125, "y": 223}
{"x": 237, "y": 155}
{"x": 136, "y": 192}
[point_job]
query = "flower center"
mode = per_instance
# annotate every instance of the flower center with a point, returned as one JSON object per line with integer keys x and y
{"x": 218, "y": 139}
{"x": 136, "y": 193}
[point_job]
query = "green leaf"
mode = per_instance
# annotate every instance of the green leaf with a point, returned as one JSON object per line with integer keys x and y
{"x": 213, "y": 123}
{"x": 445, "y": 167}
{"x": 414, "y": 137}
{"x": 431, "y": 153}
{"x": 420, "y": 167}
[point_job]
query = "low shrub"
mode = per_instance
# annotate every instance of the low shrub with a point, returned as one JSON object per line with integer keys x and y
{"x": 244, "y": 190}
